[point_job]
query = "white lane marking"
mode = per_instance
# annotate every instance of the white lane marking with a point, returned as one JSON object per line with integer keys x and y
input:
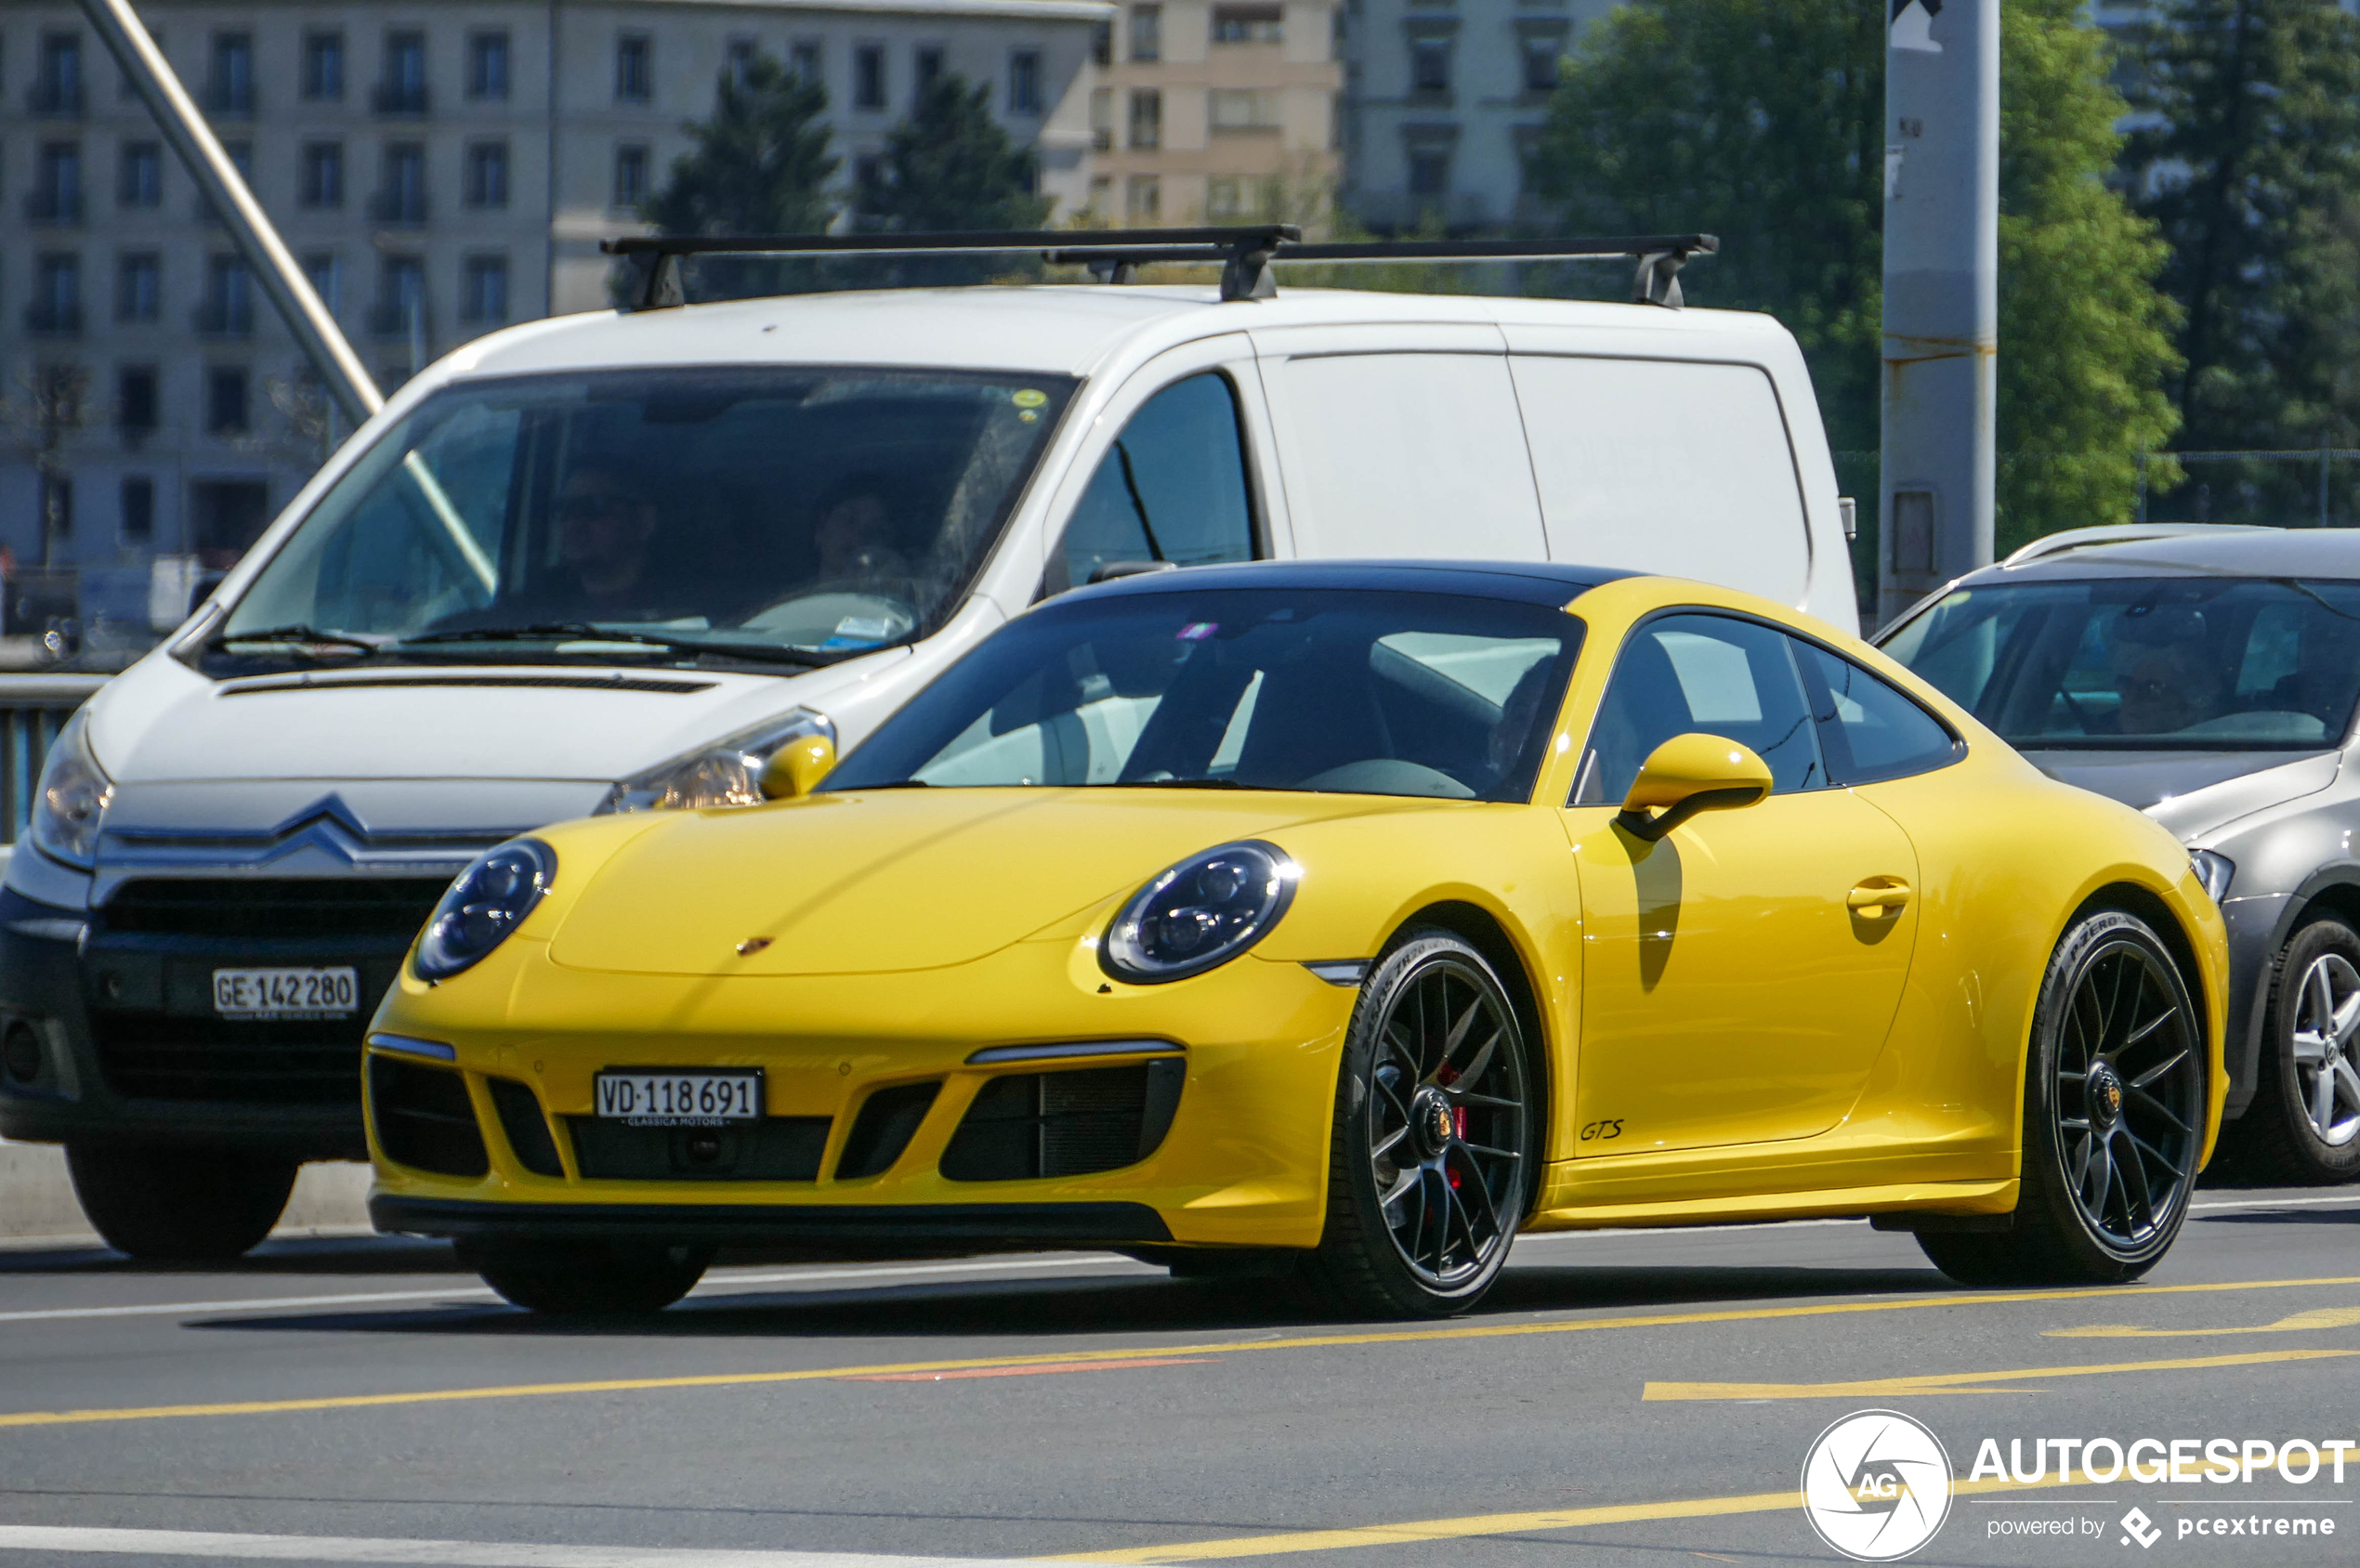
{"x": 2344, "y": 1202}
{"x": 464, "y": 1554}
{"x": 478, "y": 1292}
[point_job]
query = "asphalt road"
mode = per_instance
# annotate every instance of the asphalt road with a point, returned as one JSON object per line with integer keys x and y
{"x": 1623, "y": 1398}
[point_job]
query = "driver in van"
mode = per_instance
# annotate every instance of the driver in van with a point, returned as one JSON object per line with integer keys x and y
{"x": 855, "y": 534}
{"x": 2162, "y": 670}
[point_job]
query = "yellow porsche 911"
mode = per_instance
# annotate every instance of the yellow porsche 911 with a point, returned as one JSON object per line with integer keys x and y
{"x": 1346, "y": 918}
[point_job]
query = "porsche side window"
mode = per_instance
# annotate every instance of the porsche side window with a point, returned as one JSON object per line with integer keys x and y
{"x": 1172, "y": 488}
{"x": 1680, "y": 673}
{"x": 1870, "y": 729}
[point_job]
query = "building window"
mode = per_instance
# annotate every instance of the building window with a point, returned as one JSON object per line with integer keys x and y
{"x": 925, "y": 67}
{"x": 1102, "y": 43}
{"x": 228, "y": 309}
{"x": 140, "y": 491}
{"x": 58, "y": 87}
{"x": 138, "y": 286}
{"x": 1242, "y": 109}
{"x": 225, "y": 410}
{"x": 241, "y": 154}
{"x": 56, "y": 505}
{"x": 1102, "y": 193}
{"x": 326, "y": 276}
{"x": 1102, "y": 119}
{"x": 635, "y": 69}
{"x": 1023, "y": 81}
{"x": 322, "y": 177}
{"x": 402, "y": 298}
{"x": 323, "y": 66}
{"x": 487, "y": 65}
{"x": 1144, "y": 197}
{"x": 232, "y": 89}
{"x": 630, "y": 177}
{"x": 1430, "y": 67}
{"x": 869, "y": 76}
{"x": 1224, "y": 196}
{"x": 57, "y": 295}
{"x": 1248, "y": 24}
{"x": 1147, "y": 118}
{"x": 1146, "y": 32}
{"x": 484, "y": 298}
{"x": 1429, "y": 171}
{"x": 401, "y": 192}
{"x": 868, "y": 182}
{"x": 57, "y": 191}
{"x": 737, "y": 61}
{"x": 139, "y": 175}
{"x": 403, "y": 90}
{"x": 805, "y": 60}
{"x": 488, "y": 174}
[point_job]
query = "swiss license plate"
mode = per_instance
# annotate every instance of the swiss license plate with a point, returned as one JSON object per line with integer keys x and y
{"x": 293, "y": 993}
{"x": 678, "y": 1099}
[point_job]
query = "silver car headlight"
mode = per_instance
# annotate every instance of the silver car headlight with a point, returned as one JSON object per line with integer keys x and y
{"x": 2214, "y": 871}
{"x": 72, "y": 798}
{"x": 1200, "y": 913}
{"x": 729, "y": 772}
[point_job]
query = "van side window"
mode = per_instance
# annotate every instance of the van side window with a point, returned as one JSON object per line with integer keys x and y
{"x": 1872, "y": 731}
{"x": 1172, "y": 488}
{"x": 1707, "y": 673}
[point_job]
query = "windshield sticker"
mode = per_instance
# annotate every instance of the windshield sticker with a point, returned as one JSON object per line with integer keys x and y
{"x": 1198, "y": 631}
{"x": 1029, "y": 398}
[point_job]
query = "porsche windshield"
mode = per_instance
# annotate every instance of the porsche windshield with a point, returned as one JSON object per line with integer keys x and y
{"x": 781, "y": 515}
{"x": 2148, "y": 664}
{"x": 1363, "y": 692}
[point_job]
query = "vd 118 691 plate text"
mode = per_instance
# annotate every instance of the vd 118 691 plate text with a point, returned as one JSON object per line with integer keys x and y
{"x": 674, "y": 1099}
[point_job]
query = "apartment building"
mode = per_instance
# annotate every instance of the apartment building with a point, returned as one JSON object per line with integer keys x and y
{"x": 1441, "y": 100}
{"x": 1213, "y": 110}
{"x": 440, "y": 169}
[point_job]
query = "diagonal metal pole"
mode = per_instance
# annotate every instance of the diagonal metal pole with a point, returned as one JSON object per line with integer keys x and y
{"x": 176, "y": 115}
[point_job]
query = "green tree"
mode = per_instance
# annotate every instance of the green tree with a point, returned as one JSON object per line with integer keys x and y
{"x": 1666, "y": 120}
{"x": 948, "y": 169}
{"x": 760, "y": 165}
{"x": 2252, "y": 176}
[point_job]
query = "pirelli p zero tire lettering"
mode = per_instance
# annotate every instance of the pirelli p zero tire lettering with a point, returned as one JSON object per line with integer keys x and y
{"x": 2304, "y": 1123}
{"x": 586, "y": 1278}
{"x": 2113, "y": 1108}
{"x": 1433, "y": 1147}
{"x": 179, "y": 1205}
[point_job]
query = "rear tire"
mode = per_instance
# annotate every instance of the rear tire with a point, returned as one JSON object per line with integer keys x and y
{"x": 2310, "y": 1033}
{"x": 2114, "y": 1106}
{"x": 588, "y": 1278}
{"x": 180, "y": 1206}
{"x": 1431, "y": 1155}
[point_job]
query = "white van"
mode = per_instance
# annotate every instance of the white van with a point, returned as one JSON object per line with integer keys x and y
{"x": 609, "y": 563}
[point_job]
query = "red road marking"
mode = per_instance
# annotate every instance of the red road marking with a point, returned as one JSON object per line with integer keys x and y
{"x": 1024, "y": 1371}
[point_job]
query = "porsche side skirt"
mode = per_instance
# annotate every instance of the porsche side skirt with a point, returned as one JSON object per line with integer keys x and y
{"x": 814, "y": 1225}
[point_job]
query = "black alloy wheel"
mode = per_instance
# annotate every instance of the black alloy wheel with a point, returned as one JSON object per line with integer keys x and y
{"x": 1434, "y": 1135}
{"x": 2114, "y": 1117}
{"x": 586, "y": 1278}
{"x": 165, "y": 1205}
{"x": 2303, "y": 1125}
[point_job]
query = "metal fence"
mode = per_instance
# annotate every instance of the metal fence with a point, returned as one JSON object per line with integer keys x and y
{"x": 32, "y": 709}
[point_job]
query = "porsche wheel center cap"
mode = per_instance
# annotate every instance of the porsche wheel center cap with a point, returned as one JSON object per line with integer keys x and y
{"x": 1431, "y": 1123}
{"x": 2105, "y": 1096}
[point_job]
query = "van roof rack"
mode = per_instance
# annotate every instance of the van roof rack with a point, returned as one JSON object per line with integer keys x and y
{"x": 1116, "y": 254}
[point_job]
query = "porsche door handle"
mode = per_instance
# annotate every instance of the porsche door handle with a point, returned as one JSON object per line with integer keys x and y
{"x": 1878, "y": 898}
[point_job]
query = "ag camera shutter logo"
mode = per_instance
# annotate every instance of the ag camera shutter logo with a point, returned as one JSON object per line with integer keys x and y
{"x": 1876, "y": 1485}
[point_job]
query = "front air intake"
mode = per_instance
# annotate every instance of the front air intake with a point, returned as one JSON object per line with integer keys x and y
{"x": 1031, "y": 1125}
{"x": 424, "y": 1119}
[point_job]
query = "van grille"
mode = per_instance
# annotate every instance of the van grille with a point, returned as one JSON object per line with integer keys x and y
{"x": 155, "y": 1056}
{"x": 389, "y": 909}
{"x": 1064, "y": 1124}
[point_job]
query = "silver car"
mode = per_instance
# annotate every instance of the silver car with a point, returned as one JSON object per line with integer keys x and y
{"x": 2207, "y": 677}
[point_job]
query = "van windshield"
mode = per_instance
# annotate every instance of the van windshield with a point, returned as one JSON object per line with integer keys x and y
{"x": 774, "y": 514}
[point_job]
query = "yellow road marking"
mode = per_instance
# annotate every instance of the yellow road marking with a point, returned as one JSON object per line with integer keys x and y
{"x": 1284, "y": 1542}
{"x": 1308, "y": 1341}
{"x": 2320, "y": 1317}
{"x": 1964, "y": 1382}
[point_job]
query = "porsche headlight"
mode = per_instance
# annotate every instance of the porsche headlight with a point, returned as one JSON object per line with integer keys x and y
{"x": 2214, "y": 871}
{"x": 72, "y": 796}
{"x": 1200, "y": 913}
{"x": 490, "y": 899}
{"x": 729, "y": 772}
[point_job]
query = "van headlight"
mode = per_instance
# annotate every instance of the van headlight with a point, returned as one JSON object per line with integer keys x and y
{"x": 490, "y": 899}
{"x": 2214, "y": 871}
{"x": 72, "y": 798}
{"x": 729, "y": 772}
{"x": 1200, "y": 913}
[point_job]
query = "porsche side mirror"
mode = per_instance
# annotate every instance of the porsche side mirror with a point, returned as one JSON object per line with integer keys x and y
{"x": 795, "y": 769}
{"x": 1689, "y": 773}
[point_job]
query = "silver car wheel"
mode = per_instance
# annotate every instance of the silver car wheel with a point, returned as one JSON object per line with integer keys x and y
{"x": 2326, "y": 1041}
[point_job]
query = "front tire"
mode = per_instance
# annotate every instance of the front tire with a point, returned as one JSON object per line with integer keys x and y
{"x": 2113, "y": 1110}
{"x": 586, "y": 1278}
{"x": 1431, "y": 1153}
{"x": 2303, "y": 1127}
{"x": 180, "y": 1206}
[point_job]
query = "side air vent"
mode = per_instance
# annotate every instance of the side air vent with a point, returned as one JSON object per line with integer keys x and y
{"x": 886, "y": 1123}
{"x": 424, "y": 1119}
{"x": 527, "y": 1128}
{"x": 774, "y": 1149}
{"x": 1065, "y": 1124}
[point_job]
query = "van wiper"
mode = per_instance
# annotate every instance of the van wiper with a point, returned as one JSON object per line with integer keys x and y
{"x": 296, "y": 633}
{"x": 589, "y": 631}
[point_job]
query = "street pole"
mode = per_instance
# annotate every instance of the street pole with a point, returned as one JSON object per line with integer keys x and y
{"x": 217, "y": 179}
{"x": 1940, "y": 470}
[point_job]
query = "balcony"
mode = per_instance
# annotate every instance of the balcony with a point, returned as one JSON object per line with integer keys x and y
{"x": 54, "y": 100}
{"x": 391, "y": 319}
{"x": 53, "y": 209}
{"x": 223, "y": 317}
{"x": 47, "y": 318}
{"x": 396, "y": 98}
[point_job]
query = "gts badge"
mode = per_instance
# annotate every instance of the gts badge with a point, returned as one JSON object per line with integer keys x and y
{"x": 1602, "y": 1131}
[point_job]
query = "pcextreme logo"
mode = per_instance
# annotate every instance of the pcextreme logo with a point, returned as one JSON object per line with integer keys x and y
{"x": 1876, "y": 1485}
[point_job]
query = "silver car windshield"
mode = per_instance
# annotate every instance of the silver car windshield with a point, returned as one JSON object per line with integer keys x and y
{"x": 2179, "y": 664}
{"x": 788, "y": 515}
